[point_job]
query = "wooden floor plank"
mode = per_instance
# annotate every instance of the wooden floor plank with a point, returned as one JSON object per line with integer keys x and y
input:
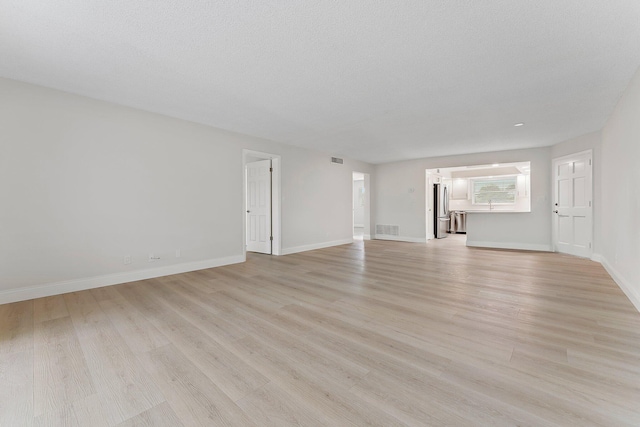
{"x": 270, "y": 405}
{"x": 195, "y": 399}
{"x": 87, "y": 411}
{"x": 158, "y": 416}
{"x": 325, "y": 395}
{"x": 234, "y": 377}
{"x": 116, "y": 372}
{"x": 16, "y": 389}
{"x": 61, "y": 373}
{"x": 49, "y": 308}
{"x": 16, "y": 364}
{"x": 16, "y": 327}
{"x": 139, "y": 334}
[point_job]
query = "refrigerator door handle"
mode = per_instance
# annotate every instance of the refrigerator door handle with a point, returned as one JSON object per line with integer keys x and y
{"x": 446, "y": 201}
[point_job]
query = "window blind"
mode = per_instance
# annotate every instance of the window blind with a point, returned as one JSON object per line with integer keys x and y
{"x": 496, "y": 190}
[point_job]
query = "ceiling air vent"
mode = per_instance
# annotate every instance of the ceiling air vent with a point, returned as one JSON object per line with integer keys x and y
{"x": 389, "y": 230}
{"x": 337, "y": 160}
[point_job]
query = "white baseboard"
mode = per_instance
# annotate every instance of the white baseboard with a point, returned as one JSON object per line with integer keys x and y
{"x": 39, "y": 291}
{"x": 597, "y": 258}
{"x": 304, "y": 248}
{"x": 629, "y": 290}
{"x": 366, "y": 237}
{"x": 400, "y": 238}
{"x": 509, "y": 245}
{"x": 358, "y": 225}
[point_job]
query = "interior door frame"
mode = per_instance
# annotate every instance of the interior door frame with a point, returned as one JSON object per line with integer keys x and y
{"x": 276, "y": 204}
{"x": 554, "y": 224}
{"x": 430, "y": 179}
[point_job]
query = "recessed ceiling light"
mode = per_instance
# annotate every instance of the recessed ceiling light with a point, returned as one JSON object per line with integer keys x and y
{"x": 519, "y": 124}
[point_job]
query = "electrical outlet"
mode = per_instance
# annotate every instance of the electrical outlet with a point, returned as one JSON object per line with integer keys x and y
{"x": 127, "y": 259}
{"x": 178, "y": 253}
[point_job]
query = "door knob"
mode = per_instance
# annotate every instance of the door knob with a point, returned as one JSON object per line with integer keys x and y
{"x": 556, "y": 204}
{"x": 555, "y": 211}
{"x": 248, "y": 211}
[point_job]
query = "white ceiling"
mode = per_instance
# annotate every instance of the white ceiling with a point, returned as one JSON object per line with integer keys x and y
{"x": 372, "y": 80}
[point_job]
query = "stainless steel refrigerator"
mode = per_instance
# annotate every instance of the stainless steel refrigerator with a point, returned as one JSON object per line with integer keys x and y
{"x": 441, "y": 217}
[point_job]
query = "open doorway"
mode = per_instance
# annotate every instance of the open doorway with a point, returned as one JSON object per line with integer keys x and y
{"x": 261, "y": 202}
{"x": 361, "y": 205}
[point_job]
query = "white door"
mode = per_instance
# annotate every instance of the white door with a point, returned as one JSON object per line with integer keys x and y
{"x": 259, "y": 206}
{"x": 572, "y": 210}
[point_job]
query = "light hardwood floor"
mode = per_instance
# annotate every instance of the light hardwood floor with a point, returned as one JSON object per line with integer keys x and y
{"x": 374, "y": 333}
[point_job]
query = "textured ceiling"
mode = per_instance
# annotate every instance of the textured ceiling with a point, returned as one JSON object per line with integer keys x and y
{"x": 372, "y": 80}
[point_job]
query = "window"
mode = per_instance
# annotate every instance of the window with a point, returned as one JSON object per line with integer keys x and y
{"x": 494, "y": 190}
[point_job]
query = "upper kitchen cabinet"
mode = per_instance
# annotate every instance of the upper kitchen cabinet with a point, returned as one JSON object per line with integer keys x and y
{"x": 523, "y": 185}
{"x": 460, "y": 189}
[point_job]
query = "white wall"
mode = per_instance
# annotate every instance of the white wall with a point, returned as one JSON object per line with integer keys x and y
{"x": 591, "y": 141}
{"x": 85, "y": 182}
{"x": 400, "y": 200}
{"x": 620, "y": 232}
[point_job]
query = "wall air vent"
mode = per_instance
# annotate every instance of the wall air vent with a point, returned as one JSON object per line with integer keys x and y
{"x": 389, "y": 230}
{"x": 337, "y": 160}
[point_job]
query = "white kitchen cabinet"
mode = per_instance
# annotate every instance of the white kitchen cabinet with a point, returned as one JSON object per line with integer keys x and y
{"x": 522, "y": 185}
{"x": 460, "y": 189}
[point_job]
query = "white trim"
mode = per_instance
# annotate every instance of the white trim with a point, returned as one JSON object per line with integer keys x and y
{"x": 276, "y": 200}
{"x": 400, "y": 238}
{"x": 597, "y": 258}
{"x": 366, "y": 237}
{"x": 57, "y": 288}
{"x": 304, "y": 248}
{"x": 508, "y": 245}
{"x": 358, "y": 225}
{"x": 572, "y": 155}
{"x": 629, "y": 290}
{"x": 429, "y": 179}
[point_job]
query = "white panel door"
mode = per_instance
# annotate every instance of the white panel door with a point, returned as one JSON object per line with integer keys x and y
{"x": 572, "y": 211}
{"x": 259, "y": 206}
